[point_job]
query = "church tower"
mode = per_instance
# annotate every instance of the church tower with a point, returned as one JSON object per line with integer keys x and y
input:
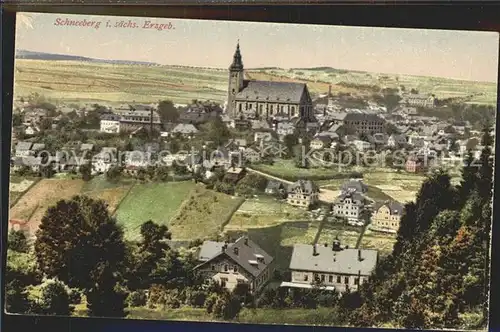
{"x": 235, "y": 82}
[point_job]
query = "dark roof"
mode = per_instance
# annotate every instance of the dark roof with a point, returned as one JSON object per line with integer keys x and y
{"x": 274, "y": 185}
{"x": 395, "y": 207}
{"x": 111, "y": 117}
{"x": 247, "y": 252}
{"x": 272, "y": 91}
{"x": 306, "y": 186}
{"x": 327, "y": 260}
{"x": 356, "y": 197}
{"x": 355, "y": 185}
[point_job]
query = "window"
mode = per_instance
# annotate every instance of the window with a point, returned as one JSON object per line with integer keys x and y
{"x": 346, "y": 280}
{"x": 322, "y": 277}
{"x": 226, "y": 268}
{"x": 330, "y": 278}
{"x": 213, "y": 267}
{"x": 240, "y": 106}
{"x": 356, "y": 281}
{"x": 223, "y": 282}
{"x": 235, "y": 269}
{"x": 306, "y": 277}
{"x": 339, "y": 280}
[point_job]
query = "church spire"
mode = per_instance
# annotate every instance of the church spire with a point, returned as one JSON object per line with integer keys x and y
{"x": 237, "y": 63}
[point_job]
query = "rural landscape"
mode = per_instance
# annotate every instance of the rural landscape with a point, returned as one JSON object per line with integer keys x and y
{"x": 281, "y": 226}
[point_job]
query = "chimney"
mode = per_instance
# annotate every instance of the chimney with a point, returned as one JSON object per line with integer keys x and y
{"x": 235, "y": 251}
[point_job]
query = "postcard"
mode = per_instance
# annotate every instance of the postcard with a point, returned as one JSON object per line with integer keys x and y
{"x": 260, "y": 173}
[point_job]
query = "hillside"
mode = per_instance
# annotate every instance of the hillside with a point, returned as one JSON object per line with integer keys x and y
{"x": 80, "y": 80}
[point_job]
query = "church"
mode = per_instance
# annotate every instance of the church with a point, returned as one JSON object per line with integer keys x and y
{"x": 270, "y": 100}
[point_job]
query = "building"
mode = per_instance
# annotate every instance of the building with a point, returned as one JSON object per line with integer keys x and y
{"x": 110, "y": 123}
{"x": 23, "y": 149}
{"x": 230, "y": 264}
{"x": 359, "y": 122}
{"x": 387, "y": 216}
{"x": 350, "y": 205}
{"x": 253, "y": 99}
{"x": 362, "y": 145}
{"x": 397, "y": 141}
{"x": 330, "y": 266}
{"x": 321, "y": 142}
{"x": 416, "y": 164}
{"x": 185, "y": 130}
{"x": 354, "y": 185}
{"x": 303, "y": 193}
{"x": 419, "y": 100}
{"x": 275, "y": 187}
{"x": 199, "y": 113}
{"x": 133, "y": 117}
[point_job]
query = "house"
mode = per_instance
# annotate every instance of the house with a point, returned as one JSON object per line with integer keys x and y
{"x": 359, "y": 122}
{"x": 134, "y": 160}
{"x": 110, "y": 123}
{"x": 354, "y": 185}
{"x": 236, "y": 144}
{"x": 285, "y": 128}
{"x": 387, "y": 216}
{"x": 397, "y": 141}
{"x": 133, "y": 117}
{"x": 252, "y": 155}
{"x": 419, "y": 100}
{"x": 468, "y": 144}
{"x": 199, "y": 113}
{"x": 185, "y": 130}
{"x": 31, "y": 130}
{"x": 34, "y": 163}
{"x": 303, "y": 193}
{"x": 378, "y": 139}
{"x": 20, "y": 225}
{"x": 86, "y": 148}
{"x": 259, "y": 125}
{"x": 104, "y": 160}
{"x": 262, "y": 136}
{"x": 416, "y": 164}
{"x": 361, "y": 145}
{"x": 350, "y": 205}
{"x": 320, "y": 142}
{"x": 416, "y": 141}
{"x": 34, "y": 115}
{"x": 23, "y": 149}
{"x": 330, "y": 266}
{"x": 16, "y": 164}
{"x": 234, "y": 174}
{"x": 349, "y": 139}
{"x": 274, "y": 187}
{"x": 230, "y": 264}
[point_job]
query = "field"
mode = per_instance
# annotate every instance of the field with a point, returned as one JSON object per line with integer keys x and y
{"x": 385, "y": 184}
{"x": 18, "y": 186}
{"x": 151, "y": 201}
{"x": 203, "y": 214}
{"x": 348, "y": 236}
{"x": 86, "y": 82}
{"x": 33, "y": 204}
{"x": 318, "y": 80}
{"x": 383, "y": 242}
{"x": 264, "y": 212}
{"x": 286, "y": 169}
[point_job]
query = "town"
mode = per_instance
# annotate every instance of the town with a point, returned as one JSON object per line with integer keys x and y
{"x": 284, "y": 198}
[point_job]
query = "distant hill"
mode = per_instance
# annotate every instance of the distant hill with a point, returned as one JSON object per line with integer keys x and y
{"x": 25, "y": 54}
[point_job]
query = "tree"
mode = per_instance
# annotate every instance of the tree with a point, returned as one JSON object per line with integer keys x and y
{"x": 414, "y": 91}
{"x": 114, "y": 173}
{"x": 47, "y": 171}
{"x": 290, "y": 141}
{"x": 17, "y": 120}
{"x": 217, "y": 131}
{"x": 17, "y": 241}
{"x": 16, "y": 298}
{"x": 162, "y": 173}
{"x": 79, "y": 243}
{"x": 179, "y": 169}
{"x": 46, "y": 124}
{"x": 167, "y": 111}
{"x": 85, "y": 171}
{"x": 55, "y": 299}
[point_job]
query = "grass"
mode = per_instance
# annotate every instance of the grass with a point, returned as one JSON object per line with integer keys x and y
{"x": 383, "y": 242}
{"x": 181, "y": 314}
{"x": 346, "y": 234}
{"x": 203, "y": 214}
{"x": 151, "y": 201}
{"x": 264, "y": 212}
{"x": 74, "y": 81}
{"x": 285, "y": 168}
{"x": 99, "y": 183}
{"x": 34, "y": 203}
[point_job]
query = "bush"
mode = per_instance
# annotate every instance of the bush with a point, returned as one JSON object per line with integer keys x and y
{"x": 75, "y": 296}
{"x": 136, "y": 299}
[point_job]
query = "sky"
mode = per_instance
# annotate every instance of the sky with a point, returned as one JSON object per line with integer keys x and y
{"x": 465, "y": 55}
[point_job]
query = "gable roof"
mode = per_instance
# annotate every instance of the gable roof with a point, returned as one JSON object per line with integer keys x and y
{"x": 395, "y": 208}
{"x": 327, "y": 260}
{"x": 307, "y": 186}
{"x": 355, "y": 185}
{"x": 272, "y": 91}
{"x": 356, "y": 197}
{"x": 23, "y": 146}
{"x": 247, "y": 251}
{"x": 274, "y": 185}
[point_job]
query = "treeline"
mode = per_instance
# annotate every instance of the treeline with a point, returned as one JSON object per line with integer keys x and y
{"x": 476, "y": 114}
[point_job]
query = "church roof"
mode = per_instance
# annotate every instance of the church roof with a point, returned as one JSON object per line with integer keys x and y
{"x": 237, "y": 62}
{"x": 284, "y": 92}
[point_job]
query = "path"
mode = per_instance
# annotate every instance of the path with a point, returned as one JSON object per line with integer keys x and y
{"x": 325, "y": 195}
